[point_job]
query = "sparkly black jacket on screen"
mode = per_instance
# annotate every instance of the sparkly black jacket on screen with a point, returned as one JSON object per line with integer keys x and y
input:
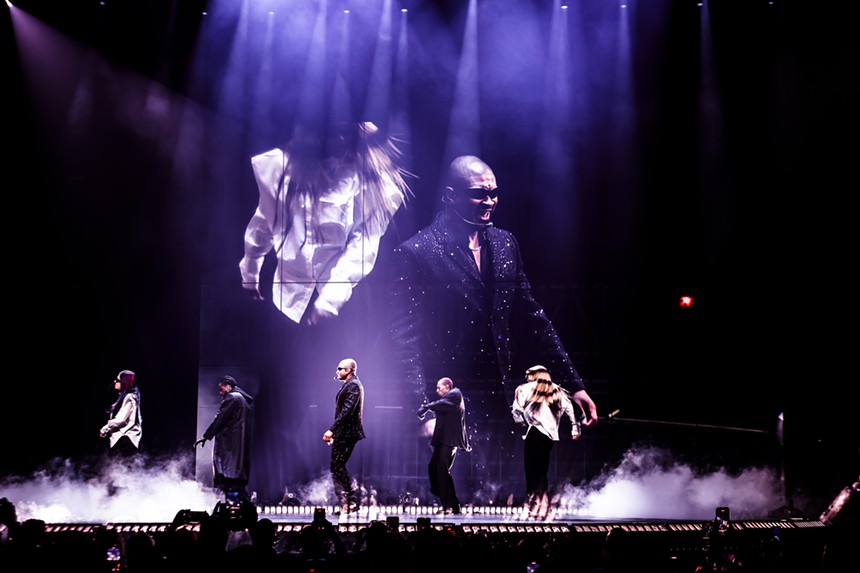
{"x": 447, "y": 319}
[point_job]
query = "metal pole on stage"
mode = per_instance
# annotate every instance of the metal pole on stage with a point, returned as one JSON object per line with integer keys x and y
{"x": 614, "y": 416}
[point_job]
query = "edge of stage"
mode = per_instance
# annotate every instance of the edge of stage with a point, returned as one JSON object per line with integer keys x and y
{"x": 490, "y": 519}
{"x": 662, "y": 541}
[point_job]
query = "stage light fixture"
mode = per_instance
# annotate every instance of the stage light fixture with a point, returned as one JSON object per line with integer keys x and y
{"x": 838, "y": 506}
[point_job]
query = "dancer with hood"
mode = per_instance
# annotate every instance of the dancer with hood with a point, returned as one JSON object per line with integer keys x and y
{"x": 231, "y": 432}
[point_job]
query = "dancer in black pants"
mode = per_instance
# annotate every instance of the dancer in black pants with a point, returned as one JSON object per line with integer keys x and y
{"x": 449, "y": 435}
{"x": 539, "y": 404}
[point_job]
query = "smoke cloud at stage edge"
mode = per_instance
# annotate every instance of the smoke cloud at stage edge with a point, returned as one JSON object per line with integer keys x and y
{"x": 646, "y": 484}
{"x": 148, "y": 490}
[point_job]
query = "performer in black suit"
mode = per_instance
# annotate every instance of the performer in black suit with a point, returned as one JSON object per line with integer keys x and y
{"x": 461, "y": 306}
{"x": 449, "y": 435}
{"x": 345, "y": 432}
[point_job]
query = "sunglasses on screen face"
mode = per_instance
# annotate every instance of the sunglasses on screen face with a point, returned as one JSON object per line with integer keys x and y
{"x": 478, "y": 193}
